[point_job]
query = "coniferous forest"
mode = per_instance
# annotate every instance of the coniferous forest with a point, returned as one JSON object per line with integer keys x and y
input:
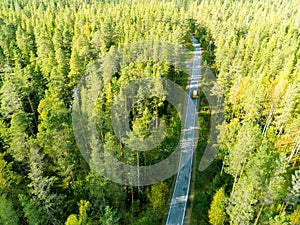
{"x": 253, "y": 48}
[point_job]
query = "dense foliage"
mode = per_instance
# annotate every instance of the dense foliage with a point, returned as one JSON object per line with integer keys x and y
{"x": 256, "y": 46}
{"x": 45, "y": 48}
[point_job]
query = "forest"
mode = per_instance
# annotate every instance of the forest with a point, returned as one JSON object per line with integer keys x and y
{"x": 46, "y": 47}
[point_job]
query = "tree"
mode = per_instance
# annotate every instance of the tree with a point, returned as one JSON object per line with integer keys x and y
{"x": 240, "y": 206}
{"x": 20, "y": 125}
{"x": 293, "y": 196}
{"x": 43, "y": 205}
{"x": 110, "y": 217}
{"x": 217, "y": 212}
{"x": 280, "y": 220}
{"x": 82, "y": 218}
{"x": 158, "y": 198}
{"x": 295, "y": 216}
{"x": 8, "y": 215}
{"x": 246, "y": 142}
{"x": 4, "y": 180}
{"x": 10, "y": 99}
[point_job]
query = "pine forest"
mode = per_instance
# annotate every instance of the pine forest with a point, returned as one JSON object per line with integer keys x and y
{"x": 47, "y": 46}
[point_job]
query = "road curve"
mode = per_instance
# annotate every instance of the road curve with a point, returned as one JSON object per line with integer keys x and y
{"x": 180, "y": 195}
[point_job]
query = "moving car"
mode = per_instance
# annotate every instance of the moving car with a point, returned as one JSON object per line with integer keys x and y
{"x": 194, "y": 94}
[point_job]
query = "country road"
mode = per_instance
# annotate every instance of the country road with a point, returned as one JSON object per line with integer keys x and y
{"x": 180, "y": 195}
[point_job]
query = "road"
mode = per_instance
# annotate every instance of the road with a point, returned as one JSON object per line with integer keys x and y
{"x": 180, "y": 195}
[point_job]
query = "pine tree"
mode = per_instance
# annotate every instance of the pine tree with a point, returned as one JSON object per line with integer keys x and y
{"x": 217, "y": 212}
{"x": 110, "y": 217}
{"x": 8, "y": 215}
{"x": 82, "y": 218}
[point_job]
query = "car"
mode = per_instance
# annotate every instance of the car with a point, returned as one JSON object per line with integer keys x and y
{"x": 194, "y": 94}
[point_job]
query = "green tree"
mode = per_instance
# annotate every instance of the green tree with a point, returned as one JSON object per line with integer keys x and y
{"x": 8, "y": 215}
{"x": 110, "y": 217}
{"x": 158, "y": 198}
{"x": 82, "y": 218}
{"x": 43, "y": 205}
{"x": 217, "y": 212}
{"x": 20, "y": 125}
{"x": 295, "y": 216}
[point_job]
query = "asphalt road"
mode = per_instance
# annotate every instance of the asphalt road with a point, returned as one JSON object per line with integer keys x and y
{"x": 179, "y": 199}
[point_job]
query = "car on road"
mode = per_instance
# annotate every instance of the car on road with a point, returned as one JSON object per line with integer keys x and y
{"x": 194, "y": 93}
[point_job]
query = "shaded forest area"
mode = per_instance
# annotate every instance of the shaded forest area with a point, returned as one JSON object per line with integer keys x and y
{"x": 45, "y": 48}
